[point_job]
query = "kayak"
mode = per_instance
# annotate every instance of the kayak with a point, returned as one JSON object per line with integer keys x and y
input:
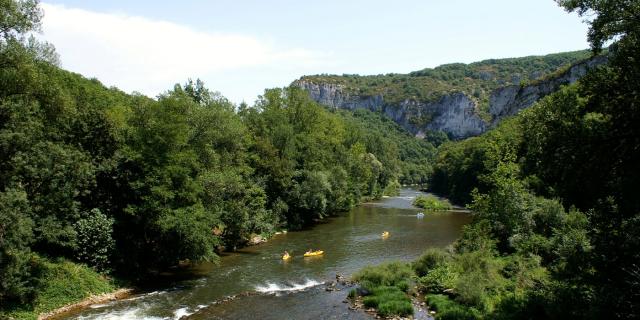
{"x": 314, "y": 253}
{"x": 286, "y": 257}
{"x": 385, "y": 234}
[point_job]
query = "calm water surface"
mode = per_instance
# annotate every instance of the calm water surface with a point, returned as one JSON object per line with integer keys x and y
{"x": 277, "y": 289}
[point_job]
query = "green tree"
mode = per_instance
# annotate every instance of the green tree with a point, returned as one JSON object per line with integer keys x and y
{"x": 95, "y": 243}
{"x": 16, "y": 281}
{"x": 18, "y": 17}
{"x": 612, "y": 18}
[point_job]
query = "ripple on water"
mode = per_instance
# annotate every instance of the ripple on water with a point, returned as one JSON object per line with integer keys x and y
{"x": 272, "y": 288}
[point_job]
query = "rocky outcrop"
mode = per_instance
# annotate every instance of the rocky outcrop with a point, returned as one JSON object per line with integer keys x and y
{"x": 454, "y": 113}
{"x": 89, "y": 301}
{"x": 509, "y": 100}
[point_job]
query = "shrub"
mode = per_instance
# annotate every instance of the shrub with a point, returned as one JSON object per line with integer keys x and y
{"x": 388, "y": 274}
{"x": 476, "y": 237}
{"x": 430, "y": 259}
{"x": 449, "y": 309}
{"x": 95, "y": 241}
{"x": 387, "y": 284}
{"x": 403, "y": 286}
{"x": 480, "y": 282}
{"x": 382, "y": 294}
{"x": 459, "y": 313}
{"x": 371, "y": 301}
{"x": 389, "y": 300}
{"x": 395, "y": 307}
{"x": 438, "y": 279}
{"x": 392, "y": 189}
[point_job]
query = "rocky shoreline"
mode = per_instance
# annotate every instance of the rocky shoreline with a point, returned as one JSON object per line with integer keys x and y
{"x": 92, "y": 300}
{"x": 355, "y": 303}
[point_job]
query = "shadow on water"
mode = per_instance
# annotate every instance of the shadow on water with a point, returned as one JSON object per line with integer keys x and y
{"x": 264, "y": 286}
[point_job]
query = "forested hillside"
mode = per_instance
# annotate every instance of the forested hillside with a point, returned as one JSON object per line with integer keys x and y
{"x": 476, "y": 79}
{"x": 554, "y": 196}
{"x": 460, "y": 100}
{"x": 130, "y": 185}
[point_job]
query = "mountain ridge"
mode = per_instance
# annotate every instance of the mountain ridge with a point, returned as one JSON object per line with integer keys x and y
{"x": 461, "y": 100}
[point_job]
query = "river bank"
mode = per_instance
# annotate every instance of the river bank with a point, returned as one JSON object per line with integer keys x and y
{"x": 118, "y": 294}
{"x": 66, "y": 287}
{"x": 294, "y": 287}
{"x": 63, "y": 285}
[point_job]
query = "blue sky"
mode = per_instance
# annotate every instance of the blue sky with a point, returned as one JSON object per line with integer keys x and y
{"x": 242, "y": 47}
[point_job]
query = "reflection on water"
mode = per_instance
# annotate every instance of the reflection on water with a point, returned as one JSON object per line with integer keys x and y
{"x": 290, "y": 289}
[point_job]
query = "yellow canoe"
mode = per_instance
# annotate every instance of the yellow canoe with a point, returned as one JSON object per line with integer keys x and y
{"x": 314, "y": 253}
{"x": 286, "y": 257}
{"x": 385, "y": 234}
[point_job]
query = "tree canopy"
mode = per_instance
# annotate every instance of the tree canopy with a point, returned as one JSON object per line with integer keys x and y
{"x": 132, "y": 185}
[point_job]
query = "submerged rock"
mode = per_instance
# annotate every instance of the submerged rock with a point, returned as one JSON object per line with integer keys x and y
{"x": 362, "y": 291}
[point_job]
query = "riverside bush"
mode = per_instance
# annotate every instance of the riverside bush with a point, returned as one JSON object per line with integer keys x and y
{"x": 389, "y": 274}
{"x": 450, "y": 310}
{"x": 395, "y": 307}
{"x": 388, "y": 284}
{"x": 438, "y": 279}
{"x": 59, "y": 283}
{"x": 431, "y": 258}
{"x": 389, "y": 300}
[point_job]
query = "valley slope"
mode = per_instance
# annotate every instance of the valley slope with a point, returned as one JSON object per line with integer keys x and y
{"x": 461, "y": 100}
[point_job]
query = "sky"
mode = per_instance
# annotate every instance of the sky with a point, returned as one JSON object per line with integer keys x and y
{"x": 241, "y": 47}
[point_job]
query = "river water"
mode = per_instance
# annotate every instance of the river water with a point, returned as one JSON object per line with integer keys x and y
{"x": 270, "y": 288}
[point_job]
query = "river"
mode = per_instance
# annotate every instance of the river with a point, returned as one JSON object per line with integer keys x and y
{"x": 270, "y": 288}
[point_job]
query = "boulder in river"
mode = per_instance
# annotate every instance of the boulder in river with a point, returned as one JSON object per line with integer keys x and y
{"x": 362, "y": 291}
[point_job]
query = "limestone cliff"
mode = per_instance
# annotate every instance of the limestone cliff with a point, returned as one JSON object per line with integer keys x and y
{"x": 509, "y": 100}
{"x": 455, "y": 113}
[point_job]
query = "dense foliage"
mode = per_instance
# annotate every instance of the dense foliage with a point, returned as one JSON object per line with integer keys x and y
{"x": 130, "y": 185}
{"x": 554, "y": 192}
{"x": 460, "y": 167}
{"x": 394, "y": 145}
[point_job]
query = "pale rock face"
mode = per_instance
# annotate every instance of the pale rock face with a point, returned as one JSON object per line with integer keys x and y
{"x": 455, "y": 113}
{"x": 509, "y": 100}
{"x": 332, "y": 95}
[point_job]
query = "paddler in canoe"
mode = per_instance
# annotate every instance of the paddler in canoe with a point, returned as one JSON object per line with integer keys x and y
{"x": 311, "y": 253}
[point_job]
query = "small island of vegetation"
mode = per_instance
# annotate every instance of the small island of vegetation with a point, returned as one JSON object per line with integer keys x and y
{"x": 432, "y": 203}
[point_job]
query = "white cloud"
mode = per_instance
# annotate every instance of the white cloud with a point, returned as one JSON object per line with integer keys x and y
{"x": 149, "y": 56}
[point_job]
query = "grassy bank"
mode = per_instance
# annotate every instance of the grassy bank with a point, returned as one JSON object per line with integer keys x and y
{"x": 460, "y": 285}
{"x": 385, "y": 288}
{"x": 59, "y": 283}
